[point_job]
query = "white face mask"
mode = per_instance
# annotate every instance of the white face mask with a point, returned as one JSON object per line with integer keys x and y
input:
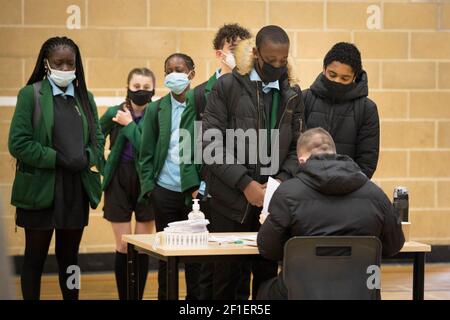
{"x": 177, "y": 82}
{"x": 229, "y": 60}
{"x": 60, "y": 78}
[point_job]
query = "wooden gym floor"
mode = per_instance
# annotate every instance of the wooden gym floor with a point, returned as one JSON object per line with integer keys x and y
{"x": 396, "y": 284}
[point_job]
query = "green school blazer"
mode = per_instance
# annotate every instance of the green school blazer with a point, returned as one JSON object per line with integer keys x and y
{"x": 118, "y": 136}
{"x": 34, "y": 182}
{"x": 156, "y": 130}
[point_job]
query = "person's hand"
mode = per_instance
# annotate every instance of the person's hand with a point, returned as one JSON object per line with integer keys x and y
{"x": 254, "y": 193}
{"x": 72, "y": 164}
{"x": 195, "y": 194}
{"x": 123, "y": 117}
{"x": 262, "y": 217}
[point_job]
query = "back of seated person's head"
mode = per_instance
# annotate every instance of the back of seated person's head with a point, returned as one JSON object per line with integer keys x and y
{"x": 314, "y": 141}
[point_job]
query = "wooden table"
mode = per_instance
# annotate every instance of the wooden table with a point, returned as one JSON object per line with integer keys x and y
{"x": 215, "y": 252}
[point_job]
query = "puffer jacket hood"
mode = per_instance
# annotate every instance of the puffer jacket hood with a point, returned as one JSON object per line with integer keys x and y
{"x": 332, "y": 174}
{"x": 361, "y": 89}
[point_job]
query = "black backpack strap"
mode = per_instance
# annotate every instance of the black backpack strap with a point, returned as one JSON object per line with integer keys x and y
{"x": 36, "y": 111}
{"x": 37, "y": 104}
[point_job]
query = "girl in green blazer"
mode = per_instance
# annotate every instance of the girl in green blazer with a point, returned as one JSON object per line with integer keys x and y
{"x": 123, "y": 124}
{"x": 169, "y": 183}
{"x": 57, "y": 142}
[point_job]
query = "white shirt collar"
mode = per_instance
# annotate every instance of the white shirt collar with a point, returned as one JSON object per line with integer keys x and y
{"x": 254, "y": 76}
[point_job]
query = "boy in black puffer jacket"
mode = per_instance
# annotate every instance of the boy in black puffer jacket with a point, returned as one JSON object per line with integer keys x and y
{"x": 337, "y": 101}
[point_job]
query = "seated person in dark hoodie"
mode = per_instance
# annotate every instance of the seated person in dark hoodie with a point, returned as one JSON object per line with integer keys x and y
{"x": 328, "y": 197}
{"x": 337, "y": 101}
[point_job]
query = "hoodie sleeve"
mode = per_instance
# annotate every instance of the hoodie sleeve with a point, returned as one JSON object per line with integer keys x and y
{"x": 215, "y": 120}
{"x": 275, "y": 231}
{"x": 368, "y": 140}
{"x": 392, "y": 237}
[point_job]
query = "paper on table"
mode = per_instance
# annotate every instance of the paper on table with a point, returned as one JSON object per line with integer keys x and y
{"x": 249, "y": 237}
{"x": 272, "y": 185}
{"x": 245, "y": 240}
{"x": 223, "y": 239}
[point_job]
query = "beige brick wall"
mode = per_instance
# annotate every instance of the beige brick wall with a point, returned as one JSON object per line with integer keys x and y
{"x": 407, "y": 59}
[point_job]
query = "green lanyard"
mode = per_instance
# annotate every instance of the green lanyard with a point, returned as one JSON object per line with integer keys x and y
{"x": 275, "y": 107}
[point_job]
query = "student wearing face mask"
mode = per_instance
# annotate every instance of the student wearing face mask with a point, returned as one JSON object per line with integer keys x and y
{"x": 337, "y": 101}
{"x": 122, "y": 124}
{"x": 56, "y": 138}
{"x": 260, "y": 94}
{"x": 225, "y": 40}
{"x": 166, "y": 179}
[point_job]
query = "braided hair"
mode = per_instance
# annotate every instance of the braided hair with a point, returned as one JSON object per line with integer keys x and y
{"x": 188, "y": 60}
{"x": 40, "y": 73}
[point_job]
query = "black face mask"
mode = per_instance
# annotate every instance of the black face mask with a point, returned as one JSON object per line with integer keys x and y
{"x": 141, "y": 97}
{"x": 271, "y": 73}
{"x": 336, "y": 90}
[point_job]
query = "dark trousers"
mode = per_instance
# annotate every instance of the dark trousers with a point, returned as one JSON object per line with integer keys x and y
{"x": 206, "y": 269}
{"x": 273, "y": 289}
{"x": 169, "y": 206}
{"x": 231, "y": 279}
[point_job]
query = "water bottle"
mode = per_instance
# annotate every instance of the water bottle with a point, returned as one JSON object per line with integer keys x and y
{"x": 401, "y": 203}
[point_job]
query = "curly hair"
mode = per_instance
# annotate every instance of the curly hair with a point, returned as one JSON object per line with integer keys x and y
{"x": 346, "y": 53}
{"x": 229, "y": 33}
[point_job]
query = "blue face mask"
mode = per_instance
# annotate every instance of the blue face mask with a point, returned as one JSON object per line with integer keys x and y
{"x": 177, "y": 82}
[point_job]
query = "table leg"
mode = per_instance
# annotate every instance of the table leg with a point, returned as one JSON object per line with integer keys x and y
{"x": 172, "y": 278}
{"x": 132, "y": 273}
{"x": 419, "y": 276}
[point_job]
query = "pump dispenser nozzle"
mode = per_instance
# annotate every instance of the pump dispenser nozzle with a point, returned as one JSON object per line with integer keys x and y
{"x": 196, "y": 213}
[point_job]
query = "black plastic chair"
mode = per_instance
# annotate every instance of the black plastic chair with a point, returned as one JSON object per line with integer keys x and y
{"x": 331, "y": 268}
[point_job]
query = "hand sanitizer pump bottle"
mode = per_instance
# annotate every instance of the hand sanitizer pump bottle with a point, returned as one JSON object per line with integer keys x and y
{"x": 196, "y": 213}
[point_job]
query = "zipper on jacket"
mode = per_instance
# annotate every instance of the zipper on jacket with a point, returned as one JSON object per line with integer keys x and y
{"x": 285, "y": 109}
{"x": 330, "y": 117}
{"x": 257, "y": 148}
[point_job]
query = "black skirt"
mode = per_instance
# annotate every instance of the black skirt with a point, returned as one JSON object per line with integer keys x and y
{"x": 70, "y": 209}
